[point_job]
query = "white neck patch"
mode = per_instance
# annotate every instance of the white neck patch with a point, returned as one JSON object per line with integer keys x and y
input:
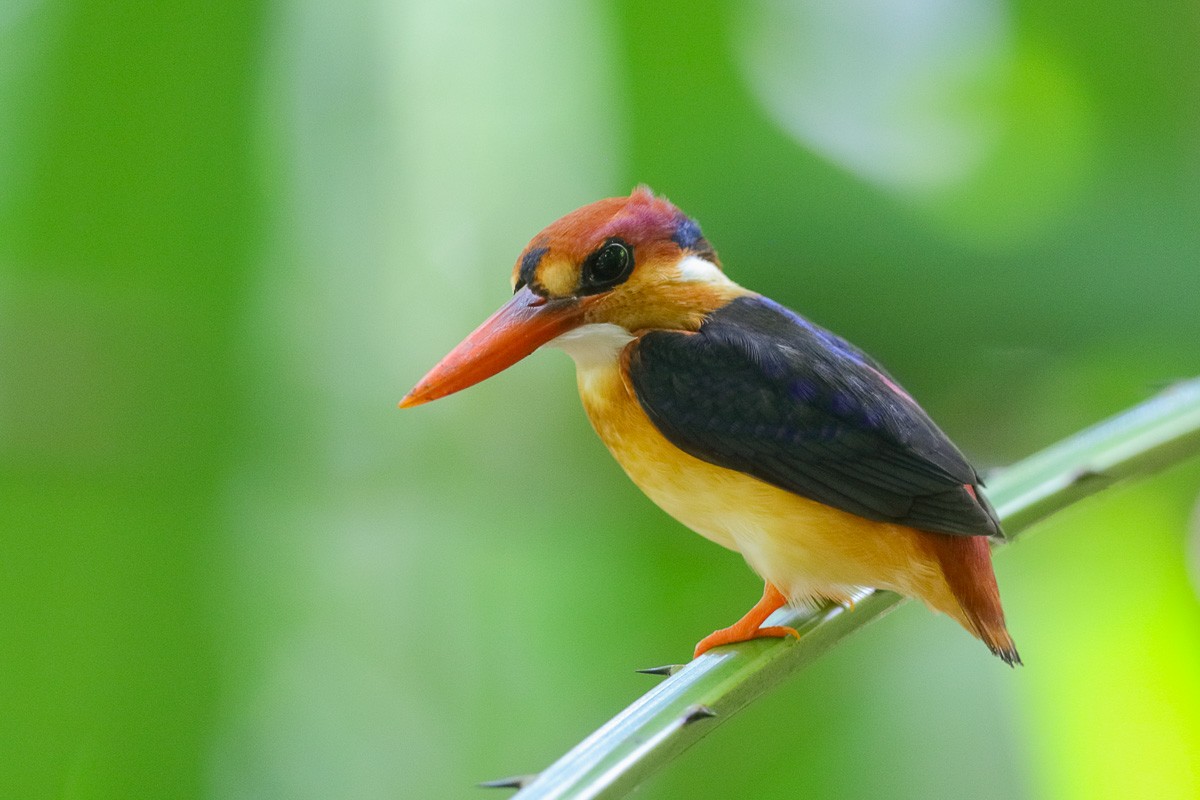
{"x": 694, "y": 269}
{"x": 596, "y": 345}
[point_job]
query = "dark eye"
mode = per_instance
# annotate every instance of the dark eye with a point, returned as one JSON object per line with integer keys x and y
{"x": 607, "y": 266}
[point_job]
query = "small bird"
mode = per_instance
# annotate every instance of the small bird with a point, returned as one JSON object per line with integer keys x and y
{"x": 752, "y": 426}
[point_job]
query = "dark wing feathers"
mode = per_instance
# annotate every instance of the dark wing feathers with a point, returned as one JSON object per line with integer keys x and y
{"x": 760, "y": 390}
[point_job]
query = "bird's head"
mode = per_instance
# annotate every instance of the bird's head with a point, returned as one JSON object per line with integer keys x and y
{"x": 629, "y": 264}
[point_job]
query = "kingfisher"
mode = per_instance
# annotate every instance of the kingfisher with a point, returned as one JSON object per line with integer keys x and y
{"x": 756, "y": 428}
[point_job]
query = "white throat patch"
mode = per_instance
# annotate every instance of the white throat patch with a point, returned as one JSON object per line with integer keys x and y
{"x": 594, "y": 345}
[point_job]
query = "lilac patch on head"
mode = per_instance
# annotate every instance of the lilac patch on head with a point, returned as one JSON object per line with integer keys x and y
{"x": 687, "y": 233}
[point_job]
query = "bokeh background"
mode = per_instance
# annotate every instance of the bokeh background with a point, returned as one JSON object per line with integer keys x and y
{"x": 233, "y": 234}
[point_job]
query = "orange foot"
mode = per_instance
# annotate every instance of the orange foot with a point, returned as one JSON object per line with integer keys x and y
{"x": 747, "y": 627}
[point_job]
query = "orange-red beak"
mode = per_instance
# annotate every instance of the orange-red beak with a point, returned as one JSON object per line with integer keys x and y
{"x": 522, "y": 325}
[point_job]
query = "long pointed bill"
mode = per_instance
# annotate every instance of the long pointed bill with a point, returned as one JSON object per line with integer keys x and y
{"x": 522, "y": 325}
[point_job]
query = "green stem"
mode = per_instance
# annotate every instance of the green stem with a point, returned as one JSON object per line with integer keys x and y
{"x": 709, "y": 690}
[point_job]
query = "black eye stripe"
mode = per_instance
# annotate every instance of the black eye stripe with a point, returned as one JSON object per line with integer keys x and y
{"x": 529, "y": 265}
{"x": 607, "y": 266}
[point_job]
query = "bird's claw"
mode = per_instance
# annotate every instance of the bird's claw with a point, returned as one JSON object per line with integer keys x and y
{"x": 733, "y": 635}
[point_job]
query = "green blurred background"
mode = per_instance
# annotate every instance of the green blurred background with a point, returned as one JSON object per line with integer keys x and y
{"x": 233, "y": 234}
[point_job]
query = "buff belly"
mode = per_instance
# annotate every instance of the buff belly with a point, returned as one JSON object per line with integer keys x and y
{"x": 806, "y": 549}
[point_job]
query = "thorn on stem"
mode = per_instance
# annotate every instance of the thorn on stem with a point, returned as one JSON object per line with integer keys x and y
{"x": 513, "y": 782}
{"x": 696, "y": 713}
{"x": 666, "y": 670}
{"x": 1085, "y": 475}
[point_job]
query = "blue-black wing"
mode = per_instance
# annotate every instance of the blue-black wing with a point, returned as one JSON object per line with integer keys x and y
{"x": 760, "y": 390}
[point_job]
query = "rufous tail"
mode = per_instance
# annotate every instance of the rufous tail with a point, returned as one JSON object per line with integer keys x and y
{"x": 966, "y": 563}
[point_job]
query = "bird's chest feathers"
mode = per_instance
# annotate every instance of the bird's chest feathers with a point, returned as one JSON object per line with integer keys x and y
{"x": 804, "y": 547}
{"x": 692, "y": 491}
